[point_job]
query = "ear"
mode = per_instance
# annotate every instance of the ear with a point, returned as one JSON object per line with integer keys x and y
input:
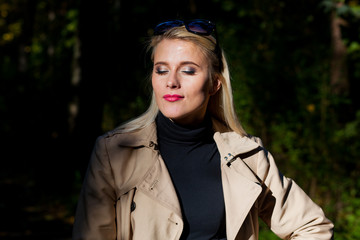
{"x": 215, "y": 87}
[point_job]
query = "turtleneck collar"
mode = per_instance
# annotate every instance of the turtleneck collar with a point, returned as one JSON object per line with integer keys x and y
{"x": 171, "y": 132}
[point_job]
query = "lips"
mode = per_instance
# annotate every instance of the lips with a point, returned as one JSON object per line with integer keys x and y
{"x": 172, "y": 98}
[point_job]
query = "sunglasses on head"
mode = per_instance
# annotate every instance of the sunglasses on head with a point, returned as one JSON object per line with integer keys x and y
{"x": 197, "y": 26}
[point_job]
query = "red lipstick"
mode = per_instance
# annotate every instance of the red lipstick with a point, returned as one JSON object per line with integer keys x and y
{"x": 172, "y": 98}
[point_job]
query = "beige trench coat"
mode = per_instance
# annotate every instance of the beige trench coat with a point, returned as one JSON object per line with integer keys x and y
{"x": 128, "y": 193}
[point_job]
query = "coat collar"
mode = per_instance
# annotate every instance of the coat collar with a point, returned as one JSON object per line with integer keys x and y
{"x": 232, "y": 144}
{"x": 145, "y": 137}
{"x": 228, "y": 142}
{"x": 240, "y": 185}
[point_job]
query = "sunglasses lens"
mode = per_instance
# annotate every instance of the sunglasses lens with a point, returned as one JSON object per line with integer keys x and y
{"x": 201, "y": 27}
{"x": 163, "y": 27}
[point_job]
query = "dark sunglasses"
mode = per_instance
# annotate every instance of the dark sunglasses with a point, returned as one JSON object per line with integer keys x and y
{"x": 198, "y": 26}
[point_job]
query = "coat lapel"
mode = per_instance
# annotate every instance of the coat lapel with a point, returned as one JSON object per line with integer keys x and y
{"x": 240, "y": 185}
{"x": 240, "y": 194}
{"x": 157, "y": 184}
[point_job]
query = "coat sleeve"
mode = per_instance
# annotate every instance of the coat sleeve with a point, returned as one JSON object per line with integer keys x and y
{"x": 95, "y": 213}
{"x": 286, "y": 208}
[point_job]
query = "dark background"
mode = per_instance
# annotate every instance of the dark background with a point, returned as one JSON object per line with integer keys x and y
{"x": 71, "y": 70}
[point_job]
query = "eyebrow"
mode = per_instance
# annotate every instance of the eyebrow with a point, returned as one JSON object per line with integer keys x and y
{"x": 182, "y": 63}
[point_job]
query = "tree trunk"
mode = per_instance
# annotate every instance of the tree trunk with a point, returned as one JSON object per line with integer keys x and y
{"x": 339, "y": 77}
{"x": 90, "y": 92}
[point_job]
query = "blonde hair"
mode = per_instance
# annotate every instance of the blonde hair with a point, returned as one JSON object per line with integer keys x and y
{"x": 220, "y": 106}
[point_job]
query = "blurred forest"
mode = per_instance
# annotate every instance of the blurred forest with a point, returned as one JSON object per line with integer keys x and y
{"x": 71, "y": 70}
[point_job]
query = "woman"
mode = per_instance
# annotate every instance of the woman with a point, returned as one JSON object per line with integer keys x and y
{"x": 186, "y": 169}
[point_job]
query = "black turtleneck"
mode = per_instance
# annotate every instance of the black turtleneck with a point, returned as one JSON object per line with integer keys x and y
{"x": 193, "y": 161}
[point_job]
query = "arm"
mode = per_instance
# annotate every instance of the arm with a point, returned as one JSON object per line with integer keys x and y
{"x": 287, "y": 209}
{"x": 95, "y": 213}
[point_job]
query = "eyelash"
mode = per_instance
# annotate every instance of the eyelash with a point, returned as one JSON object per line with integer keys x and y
{"x": 161, "y": 72}
{"x": 188, "y": 72}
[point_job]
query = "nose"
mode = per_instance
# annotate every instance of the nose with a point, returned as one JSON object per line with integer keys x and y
{"x": 173, "y": 81}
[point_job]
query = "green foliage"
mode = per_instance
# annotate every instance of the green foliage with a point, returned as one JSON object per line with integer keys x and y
{"x": 349, "y": 217}
{"x": 279, "y": 56}
{"x": 266, "y": 233}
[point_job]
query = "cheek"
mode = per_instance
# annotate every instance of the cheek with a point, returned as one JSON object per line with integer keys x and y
{"x": 198, "y": 95}
{"x": 155, "y": 84}
{"x": 199, "y": 88}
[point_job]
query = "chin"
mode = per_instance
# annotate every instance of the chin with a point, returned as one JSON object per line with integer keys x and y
{"x": 173, "y": 114}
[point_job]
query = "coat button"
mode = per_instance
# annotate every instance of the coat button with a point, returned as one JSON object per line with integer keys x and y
{"x": 133, "y": 206}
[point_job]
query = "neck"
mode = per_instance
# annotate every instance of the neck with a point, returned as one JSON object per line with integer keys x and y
{"x": 174, "y": 132}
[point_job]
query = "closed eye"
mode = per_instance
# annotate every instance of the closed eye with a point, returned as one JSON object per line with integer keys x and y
{"x": 161, "y": 72}
{"x": 189, "y": 71}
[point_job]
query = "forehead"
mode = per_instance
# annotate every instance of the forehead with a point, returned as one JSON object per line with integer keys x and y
{"x": 176, "y": 49}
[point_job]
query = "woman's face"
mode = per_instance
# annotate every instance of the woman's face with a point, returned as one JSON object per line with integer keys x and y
{"x": 180, "y": 80}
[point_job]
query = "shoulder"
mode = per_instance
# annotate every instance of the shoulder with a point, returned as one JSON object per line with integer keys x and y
{"x": 119, "y": 139}
{"x": 119, "y": 146}
{"x": 128, "y": 155}
{"x": 248, "y": 149}
{"x": 236, "y": 144}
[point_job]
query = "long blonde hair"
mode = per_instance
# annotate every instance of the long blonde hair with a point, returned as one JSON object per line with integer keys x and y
{"x": 220, "y": 106}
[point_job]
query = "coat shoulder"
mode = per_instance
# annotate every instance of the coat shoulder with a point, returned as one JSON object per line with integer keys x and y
{"x": 130, "y": 156}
